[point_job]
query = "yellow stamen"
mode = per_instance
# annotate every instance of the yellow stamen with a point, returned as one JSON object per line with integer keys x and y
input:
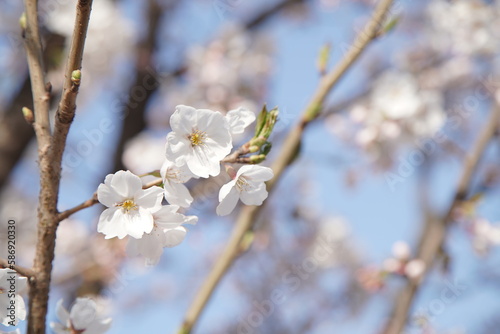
{"x": 242, "y": 184}
{"x": 128, "y": 205}
{"x": 197, "y": 137}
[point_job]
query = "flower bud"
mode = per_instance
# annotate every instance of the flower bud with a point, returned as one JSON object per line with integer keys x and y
{"x": 76, "y": 76}
{"x": 28, "y": 115}
{"x": 22, "y": 21}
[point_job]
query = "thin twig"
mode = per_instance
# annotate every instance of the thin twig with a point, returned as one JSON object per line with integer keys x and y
{"x": 434, "y": 234}
{"x": 27, "y": 272}
{"x": 34, "y": 54}
{"x": 288, "y": 152}
{"x": 87, "y": 204}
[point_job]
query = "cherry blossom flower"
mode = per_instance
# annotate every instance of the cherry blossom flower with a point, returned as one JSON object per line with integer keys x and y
{"x": 12, "y": 307}
{"x": 167, "y": 232}
{"x": 200, "y": 139}
{"x": 400, "y": 263}
{"x": 239, "y": 119}
{"x": 129, "y": 206}
{"x": 82, "y": 319}
{"x": 248, "y": 185}
{"x": 176, "y": 192}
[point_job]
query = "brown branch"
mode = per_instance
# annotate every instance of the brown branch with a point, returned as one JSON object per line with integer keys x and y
{"x": 433, "y": 236}
{"x": 50, "y": 152}
{"x": 269, "y": 12}
{"x": 288, "y": 152}
{"x": 87, "y": 204}
{"x": 27, "y": 272}
{"x": 40, "y": 91}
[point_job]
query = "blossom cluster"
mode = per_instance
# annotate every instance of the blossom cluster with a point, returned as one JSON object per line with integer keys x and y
{"x": 396, "y": 112}
{"x": 484, "y": 235}
{"x": 83, "y": 318}
{"x": 200, "y": 139}
{"x": 373, "y": 278}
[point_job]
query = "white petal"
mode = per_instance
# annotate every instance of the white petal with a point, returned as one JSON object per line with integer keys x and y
{"x": 182, "y": 119}
{"x": 21, "y": 284}
{"x": 167, "y": 217}
{"x": 177, "y": 146}
{"x": 254, "y": 197}
{"x": 149, "y": 246}
{"x": 112, "y": 223}
{"x": 139, "y": 222}
{"x": 177, "y": 194}
{"x": 62, "y": 313}
{"x": 20, "y": 308}
{"x": 99, "y": 327}
{"x": 126, "y": 184}
{"x": 190, "y": 220}
{"x": 239, "y": 119}
{"x": 58, "y": 328}
{"x": 107, "y": 196}
{"x": 83, "y": 313}
{"x": 149, "y": 198}
{"x": 256, "y": 173}
{"x": 225, "y": 189}
{"x": 201, "y": 163}
{"x": 215, "y": 125}
{"x": 174, "y": 236}
{"x": 227, "y": 202}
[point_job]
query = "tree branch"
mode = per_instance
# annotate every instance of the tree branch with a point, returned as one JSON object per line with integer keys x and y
{"x": 434, "y": 234}
{"x": 50, "y": 152}
{"x": 288, "y": 152}
{"x": 27, "y": 272}
{"x": 34, "y": 54}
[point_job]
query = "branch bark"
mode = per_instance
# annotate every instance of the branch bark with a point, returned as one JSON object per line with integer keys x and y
{"x": 433, "y": 236}
{"x": 289, "y": 151}
{"x": 50, "y": 149}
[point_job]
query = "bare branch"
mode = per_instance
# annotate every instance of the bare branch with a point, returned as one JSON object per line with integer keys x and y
{"x": 288, "y": 152}
{"x": 34, "y": 54}
{"x": 27, "y": 272}
{"x": 434, "y": 234}
{"x": 50, "y": 152}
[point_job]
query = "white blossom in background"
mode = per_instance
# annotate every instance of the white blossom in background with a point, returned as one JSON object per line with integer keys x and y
{"x": 232, "y": 70}
{"x": 248, "y": 185}
{"x": 397, "y": 113}
{"x": 12, "y": 307}
{"x": 401, "y": 263}
{"x": 466, "y": 27}
{"x": 176, "y": 193}
{"x": 484, "y": 235}
{"x": 167, "y": 232}
{"x": 84, "y": 318}
{"x": 200, "y": 139}
{"x": 129, "y": 206}
{"x": 110, "y": 36}
{"x": 239, "y": 119}
{"x": 141, "y": 156}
